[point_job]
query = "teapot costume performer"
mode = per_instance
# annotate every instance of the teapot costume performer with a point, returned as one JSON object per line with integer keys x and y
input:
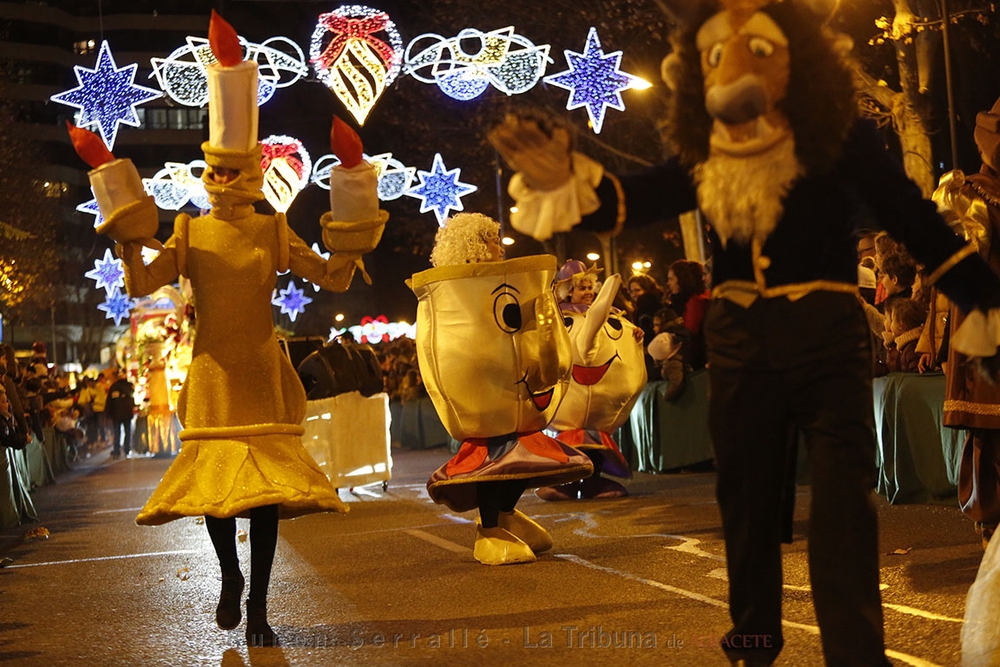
{"x": 608, "y": 374}
{"x": 242, "y": 404}
{"x": 495, "y": 358}
{"x": 770, "y": 149}
{"x": 971, "y": 402}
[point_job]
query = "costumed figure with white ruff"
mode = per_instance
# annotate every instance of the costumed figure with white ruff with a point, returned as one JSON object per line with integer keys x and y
{"x": 972, "y": 402}
{"x": 242, "y": 404}
{"x": 495, "y": 358}
{"x": 769, "y": 147}
{"x": 608, "y": 374}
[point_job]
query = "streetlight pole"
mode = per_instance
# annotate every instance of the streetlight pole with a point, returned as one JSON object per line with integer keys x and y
{"x": 945, "y": 20}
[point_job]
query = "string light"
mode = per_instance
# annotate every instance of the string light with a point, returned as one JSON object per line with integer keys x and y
{"x": 292, "y": 301}
{"x": 507, "y": 61}
{"x": 109, "y": 273}
{"x": 440, "y": 190}
{"x": 594, "y": 80}
{"x": 183, "y": 74}
{"x": 394, "y": 178}
{"x": 377, "y": 330}
{"x": 286, "y": 165}
{"x": 117, "y": 306}
{"x": 106, "y": 96}
{"x": 351, "y": 60}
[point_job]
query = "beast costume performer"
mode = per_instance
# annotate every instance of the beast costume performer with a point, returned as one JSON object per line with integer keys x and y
{"x": 770, "y": 150}
{"x": 242, "y": 404}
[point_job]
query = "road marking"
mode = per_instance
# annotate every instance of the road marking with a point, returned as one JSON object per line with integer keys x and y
{"x": 438, "y": 541}
{"x": 124, "y": 509}
{"x": 812, "y": 629}
{"x": 903, "y": 609}
{"x": 99, "y": 558}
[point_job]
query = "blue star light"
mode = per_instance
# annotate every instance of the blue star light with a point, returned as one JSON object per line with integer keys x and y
{"x": 292, "y": 300}
{"x": 440, "y": 190}
{"x": 90, "y": 207}
{"x": 106, "y": 96}
{"x": 593, "y": 80}
{"x": 108, "y": 272}
{"x": 116, "y": 306}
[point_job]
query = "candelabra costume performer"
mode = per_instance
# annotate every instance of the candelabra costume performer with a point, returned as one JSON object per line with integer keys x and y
{"x": 770, "y": 150}
{"x": 608, "y": 374}
{"x": 495, "y": 358}
{"x": 972, "y": 402}
{"x": 242, "y": 405}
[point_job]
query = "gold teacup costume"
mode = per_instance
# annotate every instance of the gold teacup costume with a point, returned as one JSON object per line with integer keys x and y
{"x": 495, "y": 358}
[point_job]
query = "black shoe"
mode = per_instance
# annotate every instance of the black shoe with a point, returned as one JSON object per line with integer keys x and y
{"x": 259, "y": 633}
{"x": 228, "y": 614}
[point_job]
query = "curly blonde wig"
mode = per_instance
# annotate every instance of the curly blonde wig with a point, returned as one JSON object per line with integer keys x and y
{"x": 465, "y": 239}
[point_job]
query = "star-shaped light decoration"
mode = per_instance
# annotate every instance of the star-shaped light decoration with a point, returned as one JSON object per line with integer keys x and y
{"x": 440, "y": 190}
{"x": 117, "y": 306}
{"x": 292, "y": 301}
{"x": 594, "y": 80}
{"x": 106, "y": 96}
{"x": 90, "y": 207}
{"x": 108, "y": 272}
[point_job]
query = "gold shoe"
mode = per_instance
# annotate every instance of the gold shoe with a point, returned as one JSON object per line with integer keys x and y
{"x": 496, "y": 546}
{"x": 527, "y": 530}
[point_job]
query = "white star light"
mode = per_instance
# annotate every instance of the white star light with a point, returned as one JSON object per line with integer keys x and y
{"x": 292, "y": 300}
{"x": 594, "y": 80}
{"x": 108, "y": 272}
{"x": 440, "y": 190}
{"x": 117, "y": 306}
{"x": 106, "y": 96}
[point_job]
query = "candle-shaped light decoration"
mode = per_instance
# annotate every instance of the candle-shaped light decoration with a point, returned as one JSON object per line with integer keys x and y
{"x": 353, "y": 183}
{"x": 232, "y": 91}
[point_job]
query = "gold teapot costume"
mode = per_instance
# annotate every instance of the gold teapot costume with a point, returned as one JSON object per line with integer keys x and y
{"x": 495, "y": 357}
{"x": 607, "y": 376}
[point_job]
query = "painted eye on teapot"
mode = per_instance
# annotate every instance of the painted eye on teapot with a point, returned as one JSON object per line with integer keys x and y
{"x": 568, "y": 321}
{"x": 715, "y": 54}
{"x": 507, "y": 312}
{"x": 614, "y": 328}
{"x": 760, "y": 47}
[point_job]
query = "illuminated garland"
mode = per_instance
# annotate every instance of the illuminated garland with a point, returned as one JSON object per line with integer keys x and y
{"x": 394, "y": 178}
{"x": 352, "y": 60}
{"x": 464, "y": 76}
{"x": 183, "y": 77}
{"x": 377, "y": 330}
{"x": 109, "y": 273}
{"x": 106, "y": 96}
{"x": 594, "y": 80}
{"x": 440, "y": 190}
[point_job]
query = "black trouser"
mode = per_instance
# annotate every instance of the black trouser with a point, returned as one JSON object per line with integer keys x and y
{"x": 121, "y": 425}
{"x": 806, "y": 365}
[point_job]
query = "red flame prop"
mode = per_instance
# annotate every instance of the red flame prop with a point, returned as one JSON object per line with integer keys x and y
{"x": 224, "y": 41}
{"x": 89, "y": 146}
{"x": 346, "y": 143}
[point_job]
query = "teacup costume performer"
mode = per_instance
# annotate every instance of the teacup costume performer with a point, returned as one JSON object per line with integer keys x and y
{"x": 607, "y": 376}
{"x": 769, "y": 148}
{"x": 242, "y": 404}
{"x": 495, "y": 357}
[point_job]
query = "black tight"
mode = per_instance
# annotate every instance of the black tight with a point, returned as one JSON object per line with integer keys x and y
{"x": 263, "y": 541}
{"x": 496, "y": 497}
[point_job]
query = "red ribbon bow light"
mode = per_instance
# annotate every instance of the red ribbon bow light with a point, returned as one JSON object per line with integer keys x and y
{"x": 270, "y": 152}
{"x": 346, "y": 28}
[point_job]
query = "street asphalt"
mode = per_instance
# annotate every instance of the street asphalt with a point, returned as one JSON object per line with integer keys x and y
{"x": 638, "y": 581}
